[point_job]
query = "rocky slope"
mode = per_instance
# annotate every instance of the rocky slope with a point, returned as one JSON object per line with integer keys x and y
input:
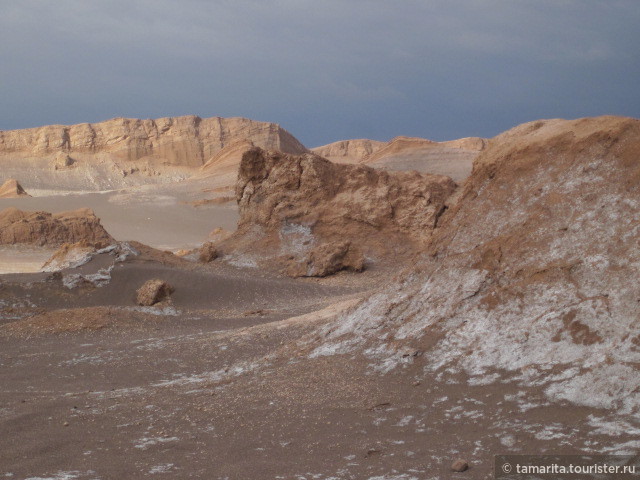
{"x": 290, "y": 205}
{"x": 43, "y": 228}
{"x": 12, "y": 189}
{"x": 529, "y": 278}
{"x": 124, "y": 151}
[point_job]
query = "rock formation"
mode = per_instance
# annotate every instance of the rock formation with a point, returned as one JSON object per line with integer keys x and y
{"x": 348, "y": 151}
{"x": 327, "y": 259}
{"x": 187, "y": 140}
{"x": 207, "y": 253}
{"x": 122, "y": 151}
{"x": 43, "y": 228}
{"x": 290, "y": 205}
{"x": 531, "y": 274}
{"x": 12, "y": 189}
{"x": 152, "y": 292}
{"x": 452, "y": 158}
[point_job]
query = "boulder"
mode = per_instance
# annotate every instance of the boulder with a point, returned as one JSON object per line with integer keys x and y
{"x": 207, "y": 253}
{"x": 328, "y": 259}
{"x": 152, "y": 292}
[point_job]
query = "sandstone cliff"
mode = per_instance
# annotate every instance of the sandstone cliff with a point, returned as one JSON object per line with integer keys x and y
{"x": 12, "y": 189}
{"x": 187, "y": 141}
{"x": 42, "y": 228}
{"x": 531, "y": 275}
{"x": 122, "y": 151}
{"x": 289, "y": 205}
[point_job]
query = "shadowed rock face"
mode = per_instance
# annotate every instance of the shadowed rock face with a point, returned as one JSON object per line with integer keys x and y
{"x": 43, "y": 228}
{"x": 291, "y": 204}
{"x": 12, "y": 189}
{"x": 530, "y": 274}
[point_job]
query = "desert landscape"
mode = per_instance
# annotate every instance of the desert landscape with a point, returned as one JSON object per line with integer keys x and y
{"x": 209, "y": 298}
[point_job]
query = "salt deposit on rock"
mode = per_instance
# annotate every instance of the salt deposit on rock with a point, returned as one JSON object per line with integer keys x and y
{"x": 530, "y": 276}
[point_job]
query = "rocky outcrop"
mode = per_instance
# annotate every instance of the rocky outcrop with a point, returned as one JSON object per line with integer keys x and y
{"x": 529, "y": 277}
{"x": 348, "y": 151}
{"x": 207, "y": 253}
{"x": 12, "y": 189}
{"x": 327, "y": 259}
{"x": 186, "y": 141}
{"x": 152, "y": 292}
{"x": 72, "y": 255}
{"x": 43, "y": 228}
{"x": 290, "y": 205}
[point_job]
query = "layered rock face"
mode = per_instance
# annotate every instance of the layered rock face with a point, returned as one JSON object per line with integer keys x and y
{"x": 292, "y": 204}
{"x": 127, "y": 152}
{"x": 185, "y": 141}
{"x": 43, "y": 228}
{"x": 12, "y": 189}
{"x": 348, "y": 151}
{"x": 531, "y": 276}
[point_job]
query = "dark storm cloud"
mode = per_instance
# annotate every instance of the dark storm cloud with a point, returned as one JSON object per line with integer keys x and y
{"x": 325, "y": 70}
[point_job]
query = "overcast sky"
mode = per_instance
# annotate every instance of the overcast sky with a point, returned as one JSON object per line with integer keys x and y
{"x": 324, "y": 69}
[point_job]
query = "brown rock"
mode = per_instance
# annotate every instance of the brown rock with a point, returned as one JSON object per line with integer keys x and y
{"x": 541, "y": 249}
{"x": 290, "y": 203}
{"x": 12, "y": 189}
{"x": 152, "y": 292}
{"x": 43, "y": 228}
{"x": 208, "y": 253}
{"x": 328, "y": 259}
{"x": 459, "y": 465}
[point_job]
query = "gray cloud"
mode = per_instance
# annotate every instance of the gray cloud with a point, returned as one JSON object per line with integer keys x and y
{"x": 324, "y": 70}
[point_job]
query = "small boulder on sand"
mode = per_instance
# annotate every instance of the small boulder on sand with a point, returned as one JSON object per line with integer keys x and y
{"x": 460, "y": 465}
{"x": 12, "y": 189}
{"x": 207, "y": 253}
{"x": 152, "y": 292}
{"x": 327, "y": 259}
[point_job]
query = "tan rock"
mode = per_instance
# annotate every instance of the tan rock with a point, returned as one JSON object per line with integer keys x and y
{"x": 43, "y": 228}
{"x": 207, "y": 253}
{"x": 12, "y": 189}
{"x": 62, "y": 161}
{"x": 152, "y": 292}
{"x": 186, "y": 141}
{"x": 348, "y": 151}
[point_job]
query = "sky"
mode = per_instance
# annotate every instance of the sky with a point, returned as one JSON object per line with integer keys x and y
{"x": 325, "y": 70}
